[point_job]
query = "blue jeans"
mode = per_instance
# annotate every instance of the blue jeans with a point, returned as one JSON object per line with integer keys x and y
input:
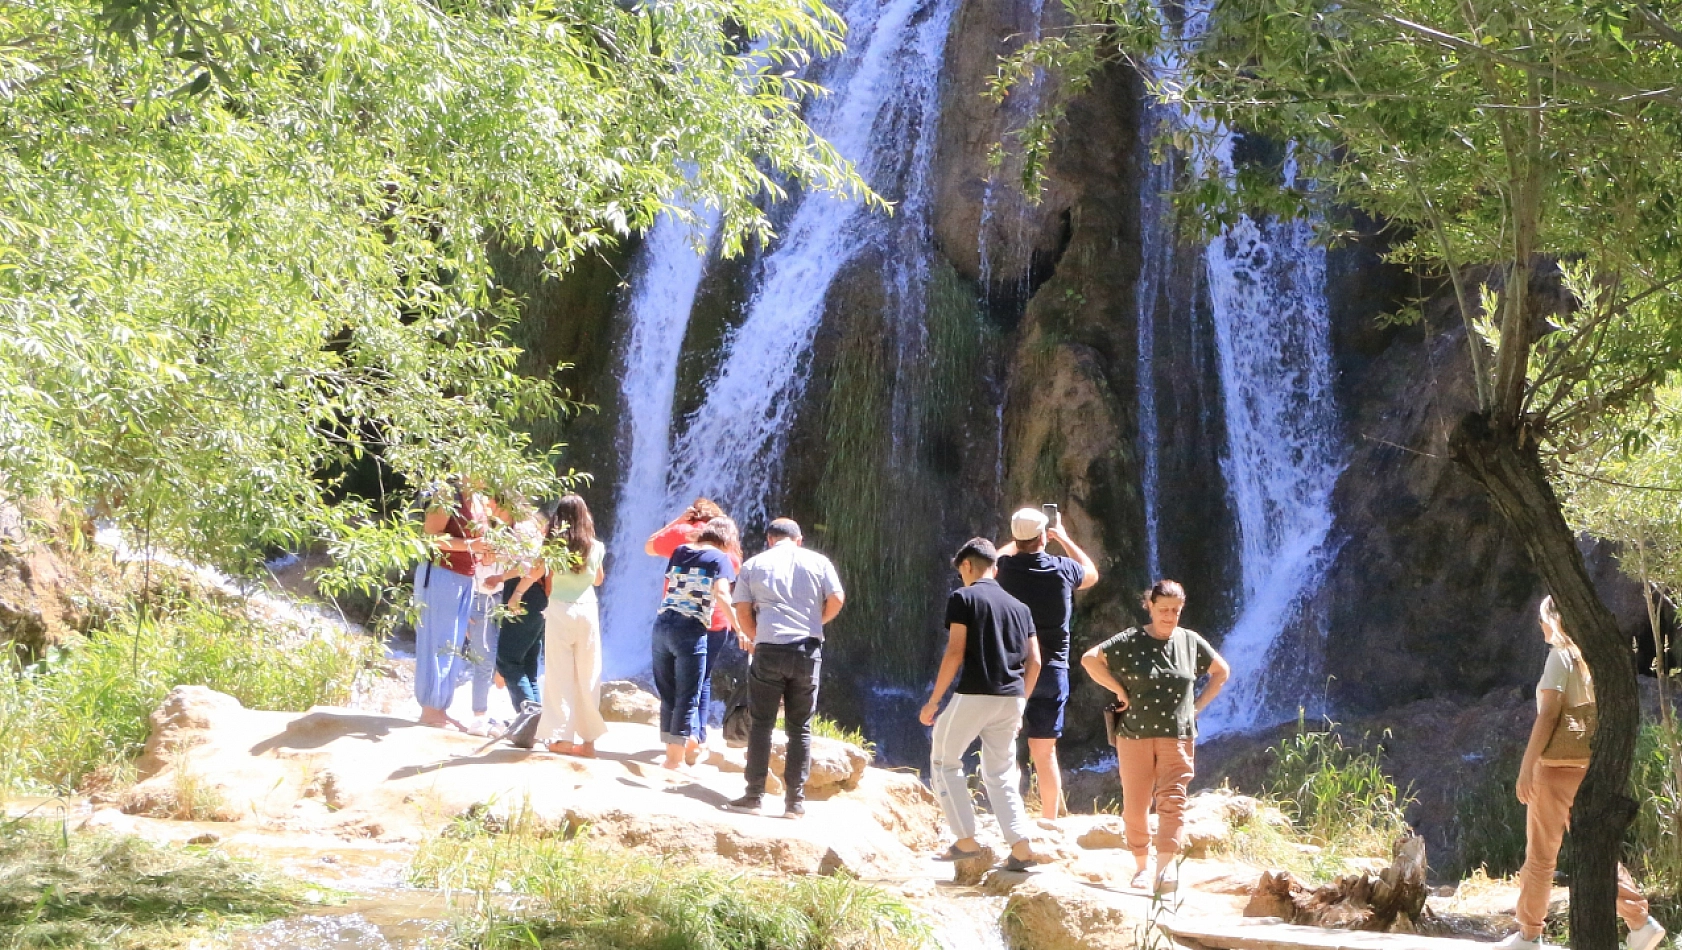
{"x": 704, "y": 698}
{"x": 680, "y": 653}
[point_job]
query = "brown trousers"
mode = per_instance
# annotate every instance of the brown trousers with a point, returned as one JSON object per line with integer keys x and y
{"x": 1549, "y": 812}
{"x": 1154, "y": 770}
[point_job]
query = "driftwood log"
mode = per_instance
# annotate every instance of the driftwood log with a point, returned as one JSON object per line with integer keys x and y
{"x": 1390, "y": 902}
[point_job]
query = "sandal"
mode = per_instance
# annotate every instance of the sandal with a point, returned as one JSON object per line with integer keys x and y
{"x": 560, "y": 748}
{"x": 955, "y": 853}
{"x": 585, "y": 750}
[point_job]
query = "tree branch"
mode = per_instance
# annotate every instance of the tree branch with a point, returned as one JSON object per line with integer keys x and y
{"x": 1623, "y": 92}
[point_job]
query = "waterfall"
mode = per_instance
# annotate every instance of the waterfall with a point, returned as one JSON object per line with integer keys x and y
{"x": 1283, "y": 452}
{"x": 667, "y": 273}
{"x": 882, "y": 115}
{"x": 1157, "y": 244}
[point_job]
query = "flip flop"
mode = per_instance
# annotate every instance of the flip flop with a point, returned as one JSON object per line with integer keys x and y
{"x": 955, "y": 853}
{"x": 1014, "y": 863}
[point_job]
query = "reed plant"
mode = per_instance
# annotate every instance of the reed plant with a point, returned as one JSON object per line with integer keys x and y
{"x": 82, "y": 710}
{"x": 540, "y": 890}
{"x": 1338, "y": 802}
{"x": 76, "y": 888}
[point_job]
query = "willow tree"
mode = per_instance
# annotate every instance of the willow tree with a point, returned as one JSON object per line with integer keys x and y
{"x": 243, "y": 242}
{"x": 1498, "y": 140}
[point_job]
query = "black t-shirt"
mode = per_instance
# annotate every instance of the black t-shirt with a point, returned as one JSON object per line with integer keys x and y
{"x": 1047, "y": 585}
{"x": 996, "y": 627}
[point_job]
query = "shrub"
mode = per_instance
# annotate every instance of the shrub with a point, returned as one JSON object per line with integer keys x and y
{"x": 83, "y": 708}
{"x": 576, "y": 894}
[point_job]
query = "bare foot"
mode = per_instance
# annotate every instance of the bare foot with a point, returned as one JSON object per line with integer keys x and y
{"x": 439, "y": 719}
{"x": 585, "y": 750}
{"x": 673, "y": 765}
{"x": 691, "y": 752}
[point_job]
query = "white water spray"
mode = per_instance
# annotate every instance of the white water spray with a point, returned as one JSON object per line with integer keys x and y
{"x": 668, "y": 272}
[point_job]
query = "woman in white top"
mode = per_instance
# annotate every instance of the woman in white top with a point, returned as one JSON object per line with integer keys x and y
{"x": 572, "y": 638}
{"x": 1555, "y": 760}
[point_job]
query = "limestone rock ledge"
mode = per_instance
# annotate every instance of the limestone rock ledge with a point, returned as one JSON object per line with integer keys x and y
{"x": 363, "y": 776}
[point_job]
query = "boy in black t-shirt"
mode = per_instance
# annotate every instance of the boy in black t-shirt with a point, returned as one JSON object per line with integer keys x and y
{"x": 992, "y": 653}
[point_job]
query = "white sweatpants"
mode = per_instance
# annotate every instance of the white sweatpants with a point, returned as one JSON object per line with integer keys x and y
{"x": 995, "y": 720}
{"x": 572, "y": 671}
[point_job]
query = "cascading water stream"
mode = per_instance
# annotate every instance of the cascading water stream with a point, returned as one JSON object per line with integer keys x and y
{"x": 668, "y": 272}
{"x": 882, "y": 115}
{"x": 1284, "y": 452}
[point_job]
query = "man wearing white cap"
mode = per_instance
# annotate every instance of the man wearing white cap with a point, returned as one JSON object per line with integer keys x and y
{"x": 1046, "y": 583}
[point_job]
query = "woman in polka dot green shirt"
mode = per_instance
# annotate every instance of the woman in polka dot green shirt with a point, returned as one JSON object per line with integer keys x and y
{"x": 1153, "y": 671}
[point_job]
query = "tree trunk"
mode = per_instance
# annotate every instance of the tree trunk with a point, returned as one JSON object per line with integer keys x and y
{"x": 1505, "y": 462}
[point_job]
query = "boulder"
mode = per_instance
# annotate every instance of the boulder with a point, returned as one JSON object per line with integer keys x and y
{"x": 836, "y": 766}
{"x": 1107, "y": 833}
{"x": 1211, "y": 815}
{"x": 625, "y": 701}
{"x": 1051, "y": 912}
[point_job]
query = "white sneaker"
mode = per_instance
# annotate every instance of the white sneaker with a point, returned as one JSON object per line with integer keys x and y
{"x": 1516, "y": 941}
{"x": 1647, "y": 937}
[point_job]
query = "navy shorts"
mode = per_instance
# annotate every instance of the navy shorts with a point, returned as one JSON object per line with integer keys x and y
{"x": 1043, "y": 719}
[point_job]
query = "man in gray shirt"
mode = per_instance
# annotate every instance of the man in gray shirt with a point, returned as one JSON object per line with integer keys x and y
{"x": 783, "y": 597}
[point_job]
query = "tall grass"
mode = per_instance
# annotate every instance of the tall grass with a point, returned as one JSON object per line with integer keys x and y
{"x": 62, "y": 888}
{"x": 573, "y": 894}
{"x": 1340, "y": 803}
{"x": 83, "y": 708}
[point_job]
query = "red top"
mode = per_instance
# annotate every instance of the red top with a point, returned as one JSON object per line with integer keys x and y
{"x": 461, "y": 562}
{"x": 666, "y": 544}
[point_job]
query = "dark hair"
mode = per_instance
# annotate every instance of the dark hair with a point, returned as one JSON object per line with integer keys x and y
{"x": 1036, "y": 543}
{"x": 571, "y": 520}
{"x": 703, "y": 509}
{"x": 978, "y": 551}
{"x": 783, "y": 528}
{"x": 721, "y": 533}
{"x": 1164, "y": 588}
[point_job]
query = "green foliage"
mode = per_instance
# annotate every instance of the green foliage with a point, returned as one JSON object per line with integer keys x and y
{"x": 84, "y": 708}
{"x": 60, "y": 888}
{"x": 243, "y": 245}
{"x": 1494, "y": 138}
{"x": 575, "y": 894}
{"x": 1654, "y": 843}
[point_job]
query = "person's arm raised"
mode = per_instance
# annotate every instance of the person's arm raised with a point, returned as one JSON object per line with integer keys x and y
{"x": 1089, "y": 568}
{"x": 950, "y": 663}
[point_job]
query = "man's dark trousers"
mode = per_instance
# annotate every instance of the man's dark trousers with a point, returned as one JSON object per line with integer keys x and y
{"x": 785, "y": 674}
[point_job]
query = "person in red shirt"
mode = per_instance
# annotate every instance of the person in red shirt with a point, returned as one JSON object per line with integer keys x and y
{"x": 661, "y": 544}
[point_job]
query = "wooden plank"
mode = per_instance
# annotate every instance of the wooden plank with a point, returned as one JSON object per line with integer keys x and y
{"x": 1241, "y": 933}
